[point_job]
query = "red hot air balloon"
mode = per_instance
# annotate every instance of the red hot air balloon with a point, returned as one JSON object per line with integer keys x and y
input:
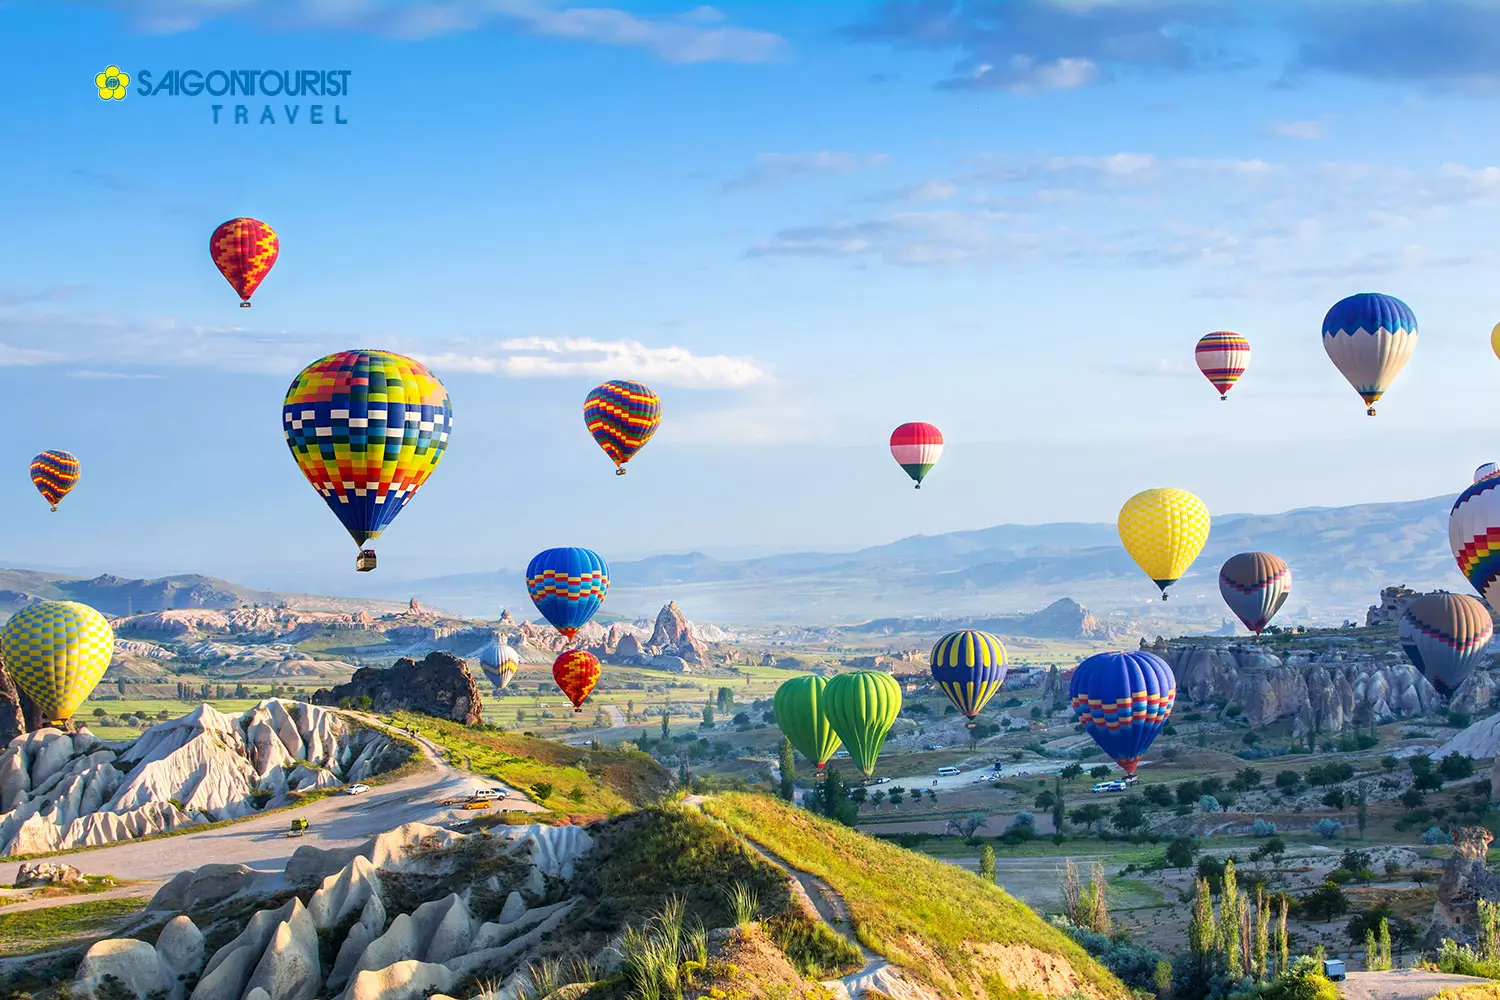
{"x": 576, "y": 672}
{"x": 916, "y": 447}
{"x": 244, "y": 250}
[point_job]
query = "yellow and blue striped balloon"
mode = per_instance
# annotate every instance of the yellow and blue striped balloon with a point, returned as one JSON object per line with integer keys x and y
{"x": 57, "y": 651}
{"x": 970, "y": 667}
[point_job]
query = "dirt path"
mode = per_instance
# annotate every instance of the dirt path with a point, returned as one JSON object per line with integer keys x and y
{"x": 146, "y": 889}
{"x": 1401, "y": 984}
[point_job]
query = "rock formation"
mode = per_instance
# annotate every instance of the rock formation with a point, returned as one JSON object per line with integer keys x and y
{"x": 59, "y": 791}
{"x": 47, "y": 873}
{"x": 1478, "y": 694}
{"x": 1324, "y": 691}
{"x": 673, "y": 636}
{"x": 440, "y": 685}
{"x": 1466, "y": 880}
{"x": 1393, "y": 602}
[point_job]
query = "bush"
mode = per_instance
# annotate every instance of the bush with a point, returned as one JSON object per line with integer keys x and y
{"x": 1303, "y": 981}
{"x": 1262, "y": 828}
{"x": 1456, "y": 766}
{"x": 1208, "y": 804}
{"x": 1329, "y": 774}
{"x": 1324, "y": 903}
{"x": 1461, "y": 960}
{"x": 1327, "y": 829}
{"x": 1434, "y": 835}
{"x": 1288, "y": 781}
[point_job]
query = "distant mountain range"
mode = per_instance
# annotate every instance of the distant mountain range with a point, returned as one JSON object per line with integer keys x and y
{"x": 1340, "y": 558}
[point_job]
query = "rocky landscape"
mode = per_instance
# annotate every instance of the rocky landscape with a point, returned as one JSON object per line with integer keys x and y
{"x": 440, "y": 685}
{"x": 61, "y": 790}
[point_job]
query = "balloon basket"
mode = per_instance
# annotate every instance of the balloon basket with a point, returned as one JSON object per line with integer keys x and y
{"x": 1370, "y": 412}
{"x": 54, "y": 508}
{"x": 365, "y": 561}
{"x": 619, "y": 472}
{"x": 918, "y": 486}
{"x": 244, "y": 305}
{"x": 1224, "y": 398}
{"x": 1164, "y": 597}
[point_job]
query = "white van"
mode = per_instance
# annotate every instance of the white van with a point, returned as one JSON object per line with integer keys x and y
{"x": 486, "y": 795}
{"x": 947, "y": 772}
{"x": 1110, "y": 786}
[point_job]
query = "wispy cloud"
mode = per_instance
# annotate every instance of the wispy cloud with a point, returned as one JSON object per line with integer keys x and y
{"x": 1298, "y": 129}
{"x": 774, "y": 168}
{"x": 541, "y": 357}
{"x": 19, "y": 357}
{"x": 123, "y": 376}
{"x": 700, "y": 34}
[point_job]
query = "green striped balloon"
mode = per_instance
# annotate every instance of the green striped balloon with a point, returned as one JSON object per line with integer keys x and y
{"x": 798, "y": 705}
{"x": 863, "y": 706}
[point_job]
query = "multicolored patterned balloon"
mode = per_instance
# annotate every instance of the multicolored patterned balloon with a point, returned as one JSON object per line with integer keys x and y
{"x": 1450, "y": 633}
{"x": 366, "y": 428}
{"x": 1369, "y": 337}
{"x": 567, "y": 586}
{"x": 1163, "y": 530}
{"x": 56, "y": 652}
{"x": 1222, "y": 358}
{"x": 1255, "y": 585}
{"x": 54, "y": 473}
{"x": 970, "y": 667}
{"x": 1485, "y": 471}
{"x": 1474, "y": 536}
{"x": 798, "y": 705}
{"x": 244, "y": 250}
{"x": 916, "y": 447}
{"x": 1123, "y": 700}
{"x": 576, "y": 672}
{"x": 622, "y": 416}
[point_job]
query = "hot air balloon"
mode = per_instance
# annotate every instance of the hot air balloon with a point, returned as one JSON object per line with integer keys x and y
{"x": 916, "y": 448}
{"x": 799, "y": 705}
{"x": 576, "y": 672}
{"x": 1495, "y": 340}
{"x": 56, "y": 652}
{"x": 1163, "y": 530}
{"x": 621, "y": 416}
{"x": 1450, "y": 633}
{"x": 1474, "y": 536}
{"x": 500, "y": 662}
{"x": 862, "y": 706}
{"x": 1123, "y": 699}
{"x": 1408, "y": 641}
{"x": 1222, "y": 358}
{"x": 970, "y": 667}
{"x": 1370, "y": 337}
{"x": 567, "y": 586}
{"x": 1485, "y": 471}
{"x": 244, "y": 250}
{"x": 366, "y": 428}
{"x": 54, "y": 473}
{"x": 1255, "y": 585}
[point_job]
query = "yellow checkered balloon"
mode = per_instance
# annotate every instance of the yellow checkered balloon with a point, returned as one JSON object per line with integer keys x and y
{"x": 1164, "y": 530}
{"x": 56, "y": 652}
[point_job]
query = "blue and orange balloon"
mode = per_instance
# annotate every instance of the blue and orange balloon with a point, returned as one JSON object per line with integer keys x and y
{"x": 54, "y": 473}
{"x": 969, "y": 666}
{"x": 567, "y": 586}
{"x": 1123, "y": 699}
{"x": 622, "y": 416}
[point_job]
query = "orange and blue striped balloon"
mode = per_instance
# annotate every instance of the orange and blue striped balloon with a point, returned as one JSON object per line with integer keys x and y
{"x": 1123, "y": 700}
{"x": 622, "y": 416}
{"x": 54, "y": 473}
{"x": 970, "y": 667}
{"x": 567, "y": 585}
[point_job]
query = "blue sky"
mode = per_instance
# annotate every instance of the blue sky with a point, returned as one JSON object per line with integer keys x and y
{"x": 802, "y": 224}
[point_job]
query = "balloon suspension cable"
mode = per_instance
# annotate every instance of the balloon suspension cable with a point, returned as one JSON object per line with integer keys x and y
{"x": 620, "y": 471}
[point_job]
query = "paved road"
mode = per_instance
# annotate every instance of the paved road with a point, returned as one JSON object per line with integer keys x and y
{"x": 261, "y": 841}
{"x": 1402, "y": 984}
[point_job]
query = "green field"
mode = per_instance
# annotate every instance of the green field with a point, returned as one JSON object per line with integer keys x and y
{"x": 34, "y": 930}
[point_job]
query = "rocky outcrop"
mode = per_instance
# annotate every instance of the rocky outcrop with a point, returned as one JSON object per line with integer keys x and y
{"x": 47, "y": 873}
{"x": 673, "y": 636}
{"x": 59, "y": 791}
{"x": 1466, "y": 880}
{"x": 131, "y": 964}
{"x": 1393, "y": 602}
{"x": 441, "y": 685}
{"x": 1479, "y": 694}
{"x": 1325, "y": 690}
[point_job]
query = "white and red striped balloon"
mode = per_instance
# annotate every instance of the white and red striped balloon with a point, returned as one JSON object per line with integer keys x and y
{"x": 1222, "y": 358}
{"x": 916, "y": 447}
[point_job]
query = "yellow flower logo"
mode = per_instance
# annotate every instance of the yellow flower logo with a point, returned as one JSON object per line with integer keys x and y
{"x": 112, "y": 83}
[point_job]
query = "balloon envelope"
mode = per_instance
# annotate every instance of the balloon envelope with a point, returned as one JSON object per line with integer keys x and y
{"x": 1474, "y": 536}
{"x": 798, "y": 705}
{"x": 576, "y": 672}
{"x": 366, "y": 428}
{"x": 1485, "y": 471}
{"x": 1163, "y": 530}
{"x": 567, "y": 586}
{"x": 54, "y": 473}
{"x": 1495, "y": 340}
{"x": 244, "y": 250}
{"x": 1222, "y": 358}
{"x": 1450, "y": 633}
{"x": 500, "y": 662}
{"x": 1369, "y": 337}
{"x": 1255, "y": 585}
{"x": 916, "y": 447}
{"x": 56, "y": 652}
{"x": 969, "y": 666}
{"x": 622, "y": 416}
{"x": 1123, "y": 700}
{"x": 862, "y": 706}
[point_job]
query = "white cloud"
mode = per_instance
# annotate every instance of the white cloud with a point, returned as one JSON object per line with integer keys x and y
{"x": 17, "y": 357}
{"x": 772, "y": 168}
{"x": 697, "y": 35}
{"x": 124, "y": 376}
{"x": 1299, "y": 129}
{"x": 539, "y": 357}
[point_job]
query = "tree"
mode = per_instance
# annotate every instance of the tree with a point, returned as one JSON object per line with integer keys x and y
{"x": 542, "y": 790}
{"x": 1100, "y": 772}
{"x": 1361, "y": 802}
{"x": 1130, "y": 814}
{"x": 1188, "y": 793}
{"x": 1390, "y": 763}
{"x": 1335, "y": 798}
{"x": 878, "y": 797}
{"x": 1044, "y": 799}
{"x": 708, "y": 715}
{"x": 1059, "y": 807}
{"x": 1208, "y": 804}
{"x": 684, "y": 773}
{"x": 1325, "y": 902}
{"x": 1456, "y": 766}
{"x": 629, "y": 709}
{"x": 100, "y": 713}
{"x": 666, "y": 724}
{"x": 987, "y": 864}
{"x": 831, "y": 798}
{"x": 741, "y": 720}
{"x": 1289, "y": 782}
{"x": 1180, "y": 852}
{"x": 897, "y": 794}
{"x": 1159, "y": 795}
{"x": 1087, "y": 815}
{"x": 788, "y": 771}
{"x": 1246, "y": 778}
{"x": 932, "y": 795}
{"x": 857, "y": 795}
{"x": 725, "y": 700}
{"x": 968, "y": 826}
{"x": 1071, "y": 771}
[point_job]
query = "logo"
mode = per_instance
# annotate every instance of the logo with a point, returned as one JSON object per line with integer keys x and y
{"x": 112, "y": 84}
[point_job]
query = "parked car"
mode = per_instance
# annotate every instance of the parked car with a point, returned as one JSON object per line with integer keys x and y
{"x": 299, "y": 827}
{"x": 933, "y": 746}
{"x": 841, "y": 753}
{"x": 947, "y": 772}
{"x": 878, "y": 781}
{"x": 486, "y": 794}
{"x": 1110, "y": 786}
{"x": 357, "y": 789}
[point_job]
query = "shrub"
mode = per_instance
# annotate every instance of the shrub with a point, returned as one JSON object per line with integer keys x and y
{"x": 1324, "y": 903}
{"x": 1304, "y": 980}
{"x": 1456, "y": 766}
{"x": 1262, "y": 828}
{"x": 1434, "y": 835}
{"x": 1288, "y": 781}
{"x": 1327, "y": 829}
{"x": 1208, "y": 804}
